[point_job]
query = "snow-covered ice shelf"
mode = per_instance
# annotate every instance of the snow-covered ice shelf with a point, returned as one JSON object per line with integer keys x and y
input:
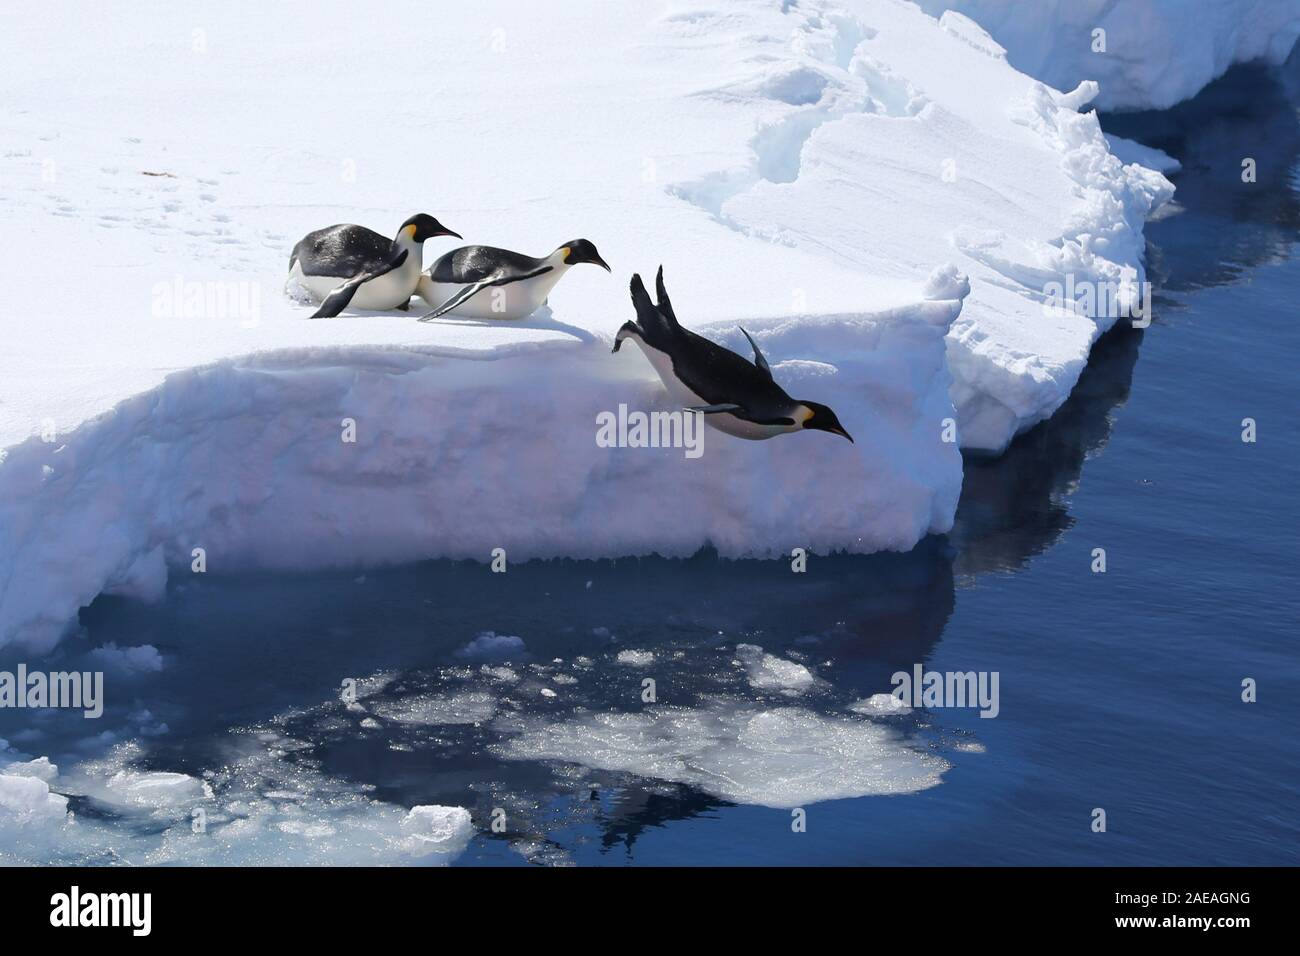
{"x": 1152, "y": 54}
{"x": 829, "y": 175}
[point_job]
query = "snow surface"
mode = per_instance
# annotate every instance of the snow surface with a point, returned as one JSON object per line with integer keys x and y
{"x": 785, "y": 162}
{"x": 1158, "y": 52}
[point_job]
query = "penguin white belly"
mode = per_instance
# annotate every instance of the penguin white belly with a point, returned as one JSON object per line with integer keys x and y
{"x": 722, "y": 421}
{"x": 514, "y": 300}
{"x": 388, "y": 291}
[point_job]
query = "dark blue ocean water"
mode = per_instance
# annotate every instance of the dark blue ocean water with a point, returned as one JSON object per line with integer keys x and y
{"x": 1119, "y": 691}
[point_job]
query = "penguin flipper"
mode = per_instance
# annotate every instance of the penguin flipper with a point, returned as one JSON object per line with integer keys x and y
{"x": 464, "y": 295}
{"x": 759, "y": 361}
{"x": 339, "y": 298}
{"x": 715, "y": 409}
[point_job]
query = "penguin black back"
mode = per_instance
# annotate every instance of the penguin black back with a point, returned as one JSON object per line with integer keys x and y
{"x": 343, "y": 250}
{"x": 716, "y": 374}
{"x": 476, "y": 263}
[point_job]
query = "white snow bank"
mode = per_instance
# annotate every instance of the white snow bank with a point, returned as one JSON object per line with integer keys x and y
{"x": 178, "y": 419}
{"x": 921, "y": 145}
{"x": 786, "y": 757}
{"x": 1157, "y": 52}
{"x": 788, "y": 170}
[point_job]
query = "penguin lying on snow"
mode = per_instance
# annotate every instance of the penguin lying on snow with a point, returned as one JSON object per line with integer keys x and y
{"x": 351, "y": 265}
{"x": 519, "y": 283}
{"x": 736, "y": 397}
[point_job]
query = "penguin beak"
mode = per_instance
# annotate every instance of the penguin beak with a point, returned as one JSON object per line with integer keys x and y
{"x": 836, "y": 429}
{"x": 597, "y": 260}
{"x": 448, "y": 232}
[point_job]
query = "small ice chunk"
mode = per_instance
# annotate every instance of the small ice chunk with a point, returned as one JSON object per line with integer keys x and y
{"x": 27, "y": 800}
{"x": 40, "y": 768}
{"x": 157, "y": 789}
{"x": 635, "y": 658}
{"x": 880, "y": 704}
{"x": 490, "y": 646}
{"x": 769, "y": 672}
{"x": 435, "y": 829}
{"x": 144, "y": 659}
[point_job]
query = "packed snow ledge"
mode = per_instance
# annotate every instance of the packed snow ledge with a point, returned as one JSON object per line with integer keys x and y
{"x": 1149, "y": 54}
{"x": 875, "y": 194}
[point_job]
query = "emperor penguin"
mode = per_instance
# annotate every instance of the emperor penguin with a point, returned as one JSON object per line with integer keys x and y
{"x": 519, "y": 284}
{"x": 351, "y": 265}
{"x": 736, "y": 396}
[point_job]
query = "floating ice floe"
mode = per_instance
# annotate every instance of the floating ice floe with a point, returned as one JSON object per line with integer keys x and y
{"x": 782, "y": 757}
{"x": 468, "y": 707}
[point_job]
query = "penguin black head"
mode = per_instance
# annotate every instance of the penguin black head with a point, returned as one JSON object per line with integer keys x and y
{"x": 821, "y": 418}
{"x": 425, "y": 227}
{"x": 581, "y": 250}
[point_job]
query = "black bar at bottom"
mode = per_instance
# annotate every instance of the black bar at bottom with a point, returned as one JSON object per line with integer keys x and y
{"x": 335, "y": 905}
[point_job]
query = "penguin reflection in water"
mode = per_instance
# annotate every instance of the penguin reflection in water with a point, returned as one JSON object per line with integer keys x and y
{"x": 736, "y": 396}
{"x": 483, "y": 282}
{"x": 351, "y": 265}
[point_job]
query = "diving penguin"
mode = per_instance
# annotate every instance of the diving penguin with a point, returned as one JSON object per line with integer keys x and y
{"x": 519, "y": 284}
{"x": 351, "y": 265}
{"x": 736, "y": 397}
